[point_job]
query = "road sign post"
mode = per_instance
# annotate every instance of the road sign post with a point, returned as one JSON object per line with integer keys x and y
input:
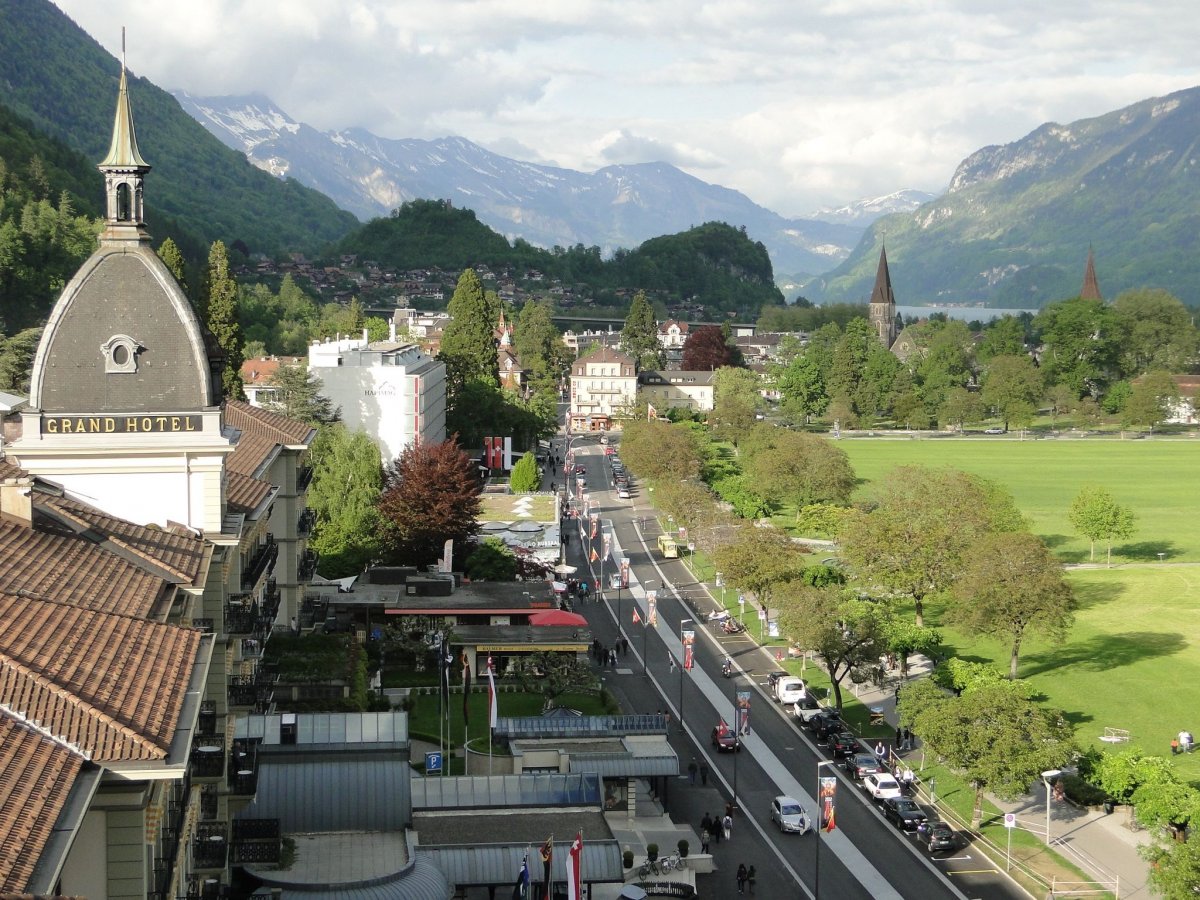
{"x": 433, "y": 762}
{"x": 1010, "y": 822}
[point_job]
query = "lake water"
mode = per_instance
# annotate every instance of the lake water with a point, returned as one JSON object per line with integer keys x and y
{"x": 966, "y": 313}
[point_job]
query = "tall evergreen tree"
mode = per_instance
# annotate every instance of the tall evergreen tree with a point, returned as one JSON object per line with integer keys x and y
{"x": 639, "y": 337}
{"x": 169, "y": 253}
{"x": 220, "y": 314}
{"x": 469, "y": 342}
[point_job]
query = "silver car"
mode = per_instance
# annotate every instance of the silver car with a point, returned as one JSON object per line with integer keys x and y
{"x": 789, "y": 815}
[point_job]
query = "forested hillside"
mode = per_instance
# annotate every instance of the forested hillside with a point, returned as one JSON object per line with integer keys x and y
{"x": 65, "y": 84}
{"x": 714, "y": 264}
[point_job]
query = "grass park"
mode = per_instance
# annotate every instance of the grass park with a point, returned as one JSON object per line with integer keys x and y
{"x": 1130, "y": 662}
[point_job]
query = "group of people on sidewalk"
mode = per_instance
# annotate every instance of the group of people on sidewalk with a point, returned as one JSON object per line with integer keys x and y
{"x": 713, "y": 829}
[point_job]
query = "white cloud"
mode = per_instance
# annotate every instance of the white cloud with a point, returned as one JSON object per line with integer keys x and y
{"x": 798, "y": 105}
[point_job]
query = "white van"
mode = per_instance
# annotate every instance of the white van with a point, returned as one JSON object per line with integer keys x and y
{"x": 789, "y": 689}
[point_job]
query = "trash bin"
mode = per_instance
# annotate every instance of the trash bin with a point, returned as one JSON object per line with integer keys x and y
{"x": 1109, "y": 806}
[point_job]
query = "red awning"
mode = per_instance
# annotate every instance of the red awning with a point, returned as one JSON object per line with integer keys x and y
{"x": 557, "y": 617}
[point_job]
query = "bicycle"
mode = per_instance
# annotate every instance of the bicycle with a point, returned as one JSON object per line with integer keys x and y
{"x": 650, "y": 867}
{"x": 673, "y": 862}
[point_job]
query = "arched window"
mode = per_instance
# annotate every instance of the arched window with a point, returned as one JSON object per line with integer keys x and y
{"x": 124, "y": 203}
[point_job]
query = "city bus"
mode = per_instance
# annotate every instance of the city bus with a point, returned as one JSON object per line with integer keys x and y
{"x": 667, "y": 546}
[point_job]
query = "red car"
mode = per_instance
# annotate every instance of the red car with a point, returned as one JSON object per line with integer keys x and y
{"x": 724, "y": 739}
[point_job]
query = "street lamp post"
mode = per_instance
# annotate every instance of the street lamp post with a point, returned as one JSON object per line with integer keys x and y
{"x": 817, "y": 827}
{"x": 682, "y": 666}
{"x": 1047, "y": 776}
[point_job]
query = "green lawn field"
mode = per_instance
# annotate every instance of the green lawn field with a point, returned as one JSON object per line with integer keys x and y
{"x": 1158, "y": 479}
{"x": 1130, "y": 662}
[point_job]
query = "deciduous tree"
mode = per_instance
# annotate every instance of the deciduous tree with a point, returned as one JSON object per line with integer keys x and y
{"x": 1011, "y": 586}
{"x": 431, "y": 495}
{"x": 912, "y": 543}
{"x": 706, "y": 350}
{"x": 657, "y": 450}
{"x": 492, "y": 560}
{"x": 1081, "y": 339}
{"x": 849, "y": 635}
{"x": 736, "y": 402}
{"x": 347, "y": 480}
{"x": 802, "y": 469}
{"x": 1000, "y": 740}
{"x": 759, "y": 560}
{"x": 1151, "y": 400}
{"x": 801, "y": 387}
{"x": 1098, "y": 517}
{"x": 1011, "y": 386}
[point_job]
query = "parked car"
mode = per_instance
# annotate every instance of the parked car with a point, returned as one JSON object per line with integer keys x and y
{"x": 860, "y": 765}
{"x": 844, "y": 744}
{"x": 789, "y": 815}
{"x": 789, "y": 689}
{"x": 904, "y": 813}
{"x": 882, "y": 786}
{"x": 938, "y": 837}
{"x": 825, "y": 725}
{"x": 724, "y": 739}
{"x": 622, "y": 493}
{"x": 806, "y": 707}
{"x": 993, "y": 431}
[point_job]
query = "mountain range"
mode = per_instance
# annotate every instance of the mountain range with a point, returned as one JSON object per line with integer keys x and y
{"x": 1015, "y": 225}
{"x": 617, "y": 206}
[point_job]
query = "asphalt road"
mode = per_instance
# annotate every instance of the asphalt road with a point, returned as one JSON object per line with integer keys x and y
{"x": 865, "y": 857}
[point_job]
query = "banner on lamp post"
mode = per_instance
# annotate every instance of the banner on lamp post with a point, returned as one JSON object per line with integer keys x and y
{"x": 689, "y": 645}
{"x": 741, "y": 720}
{"x": 625, "y": 573}
{"x": 652, "y": 608}
{"x": 827, "y": 803}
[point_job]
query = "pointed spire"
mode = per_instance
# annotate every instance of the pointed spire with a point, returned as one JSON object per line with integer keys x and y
{"x": 1091, "y": 287}
{"x": 123, "y": 151}
{"x": 883, "y": 281}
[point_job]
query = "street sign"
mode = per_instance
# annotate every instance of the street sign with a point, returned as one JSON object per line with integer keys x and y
{"x": 1010, "y": 820}
{"x": 433, "y": 762}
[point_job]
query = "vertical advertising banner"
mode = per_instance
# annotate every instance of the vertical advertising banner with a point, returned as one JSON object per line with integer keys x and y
{"x": 595, "y": 517}
{"x": 652, "y": 608}
{"x": 741, "y": 719}
{"x": 689, "y": 646}
{"x": 606, "y": 546}
{"x": 826, "y": 802}
{"x": 683, "y": 534}
{"x": 625, "y": 573}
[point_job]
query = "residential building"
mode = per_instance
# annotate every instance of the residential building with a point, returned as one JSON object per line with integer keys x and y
{"x": 672, "y": 335}
{"x": 603, "y": 385}
{"x": 672, "y": 388}
{"x": 258, "y": 373}
{"x": 391, "y": 390}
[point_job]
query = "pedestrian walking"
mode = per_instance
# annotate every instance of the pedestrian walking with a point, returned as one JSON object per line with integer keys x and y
{"x": 704, "y": 774}
{"x": 704, "y": 836}
{"x": 692, "y": 769}
{"x": 899, "y": 738}
{"x": 612, "y": 658}
{"x": 706, "y": 823}
{"x": 906, "y": 739}
{"x": 880, "y": 751}
{"x": 750, "y": 877}
{"x": 741, "y": 877}
{"x": 727, "y": 826}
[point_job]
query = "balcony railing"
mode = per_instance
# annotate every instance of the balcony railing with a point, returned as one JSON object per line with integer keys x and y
{"x": 208, "y": 756}
{"x": 241, "y": 618}
{"x": 304, "y": 477}
{"x": 205, "y": 625}
{"x": 262, "y": 559}
{"x": 304, "y": 525}
{"x": 206, "y": 723}
{"x": 199, "y": 888}
{"x": 210, "y": 846}
{"x": 243, "y": 767}
{"x": 308, "y": 565}
{"x": 243, "y": 691}
{"x": 256, "y": 841}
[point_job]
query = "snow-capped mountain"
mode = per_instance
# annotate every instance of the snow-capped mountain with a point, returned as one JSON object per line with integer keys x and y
{"x": 864, "y": 212}
{"x": 617, "y": 206}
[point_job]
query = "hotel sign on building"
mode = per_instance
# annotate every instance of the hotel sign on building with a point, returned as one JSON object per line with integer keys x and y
{"x": 133, "y": 424}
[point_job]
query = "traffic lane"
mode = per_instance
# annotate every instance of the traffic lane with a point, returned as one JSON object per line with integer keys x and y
{"x": 855, "y": 819}
{"x": 860, "y": 821}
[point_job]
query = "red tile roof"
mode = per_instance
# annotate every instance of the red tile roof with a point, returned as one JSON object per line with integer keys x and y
{"x": 36, "y": 775}
{"x": 260, "y": 371}
{"x": 244, "y": 494}
{"x": 262, "y": 432}
{"x": 75, "y": 571}
{"x": 110, "y": 685}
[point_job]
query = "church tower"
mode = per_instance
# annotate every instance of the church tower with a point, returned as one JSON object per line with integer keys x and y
{"x": 882, "y": 309}
{"x": 123, "y": 406}
{"x": 1091, "y": 287}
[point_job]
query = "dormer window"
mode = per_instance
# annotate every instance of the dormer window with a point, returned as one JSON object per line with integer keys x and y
{"x": 120, "y": 354}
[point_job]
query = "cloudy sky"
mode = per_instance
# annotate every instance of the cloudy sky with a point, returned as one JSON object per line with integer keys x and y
{"x": 797, "y": 103}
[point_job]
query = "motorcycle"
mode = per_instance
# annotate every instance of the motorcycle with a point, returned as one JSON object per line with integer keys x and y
{"x": 727, "y": 669}
{"x": 732, "y": 626}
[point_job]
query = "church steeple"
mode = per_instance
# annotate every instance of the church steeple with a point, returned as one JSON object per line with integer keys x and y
{"x": 124, "y": 171}
{"x": 882, "y": 308}
{"x": 1091, "y": 287}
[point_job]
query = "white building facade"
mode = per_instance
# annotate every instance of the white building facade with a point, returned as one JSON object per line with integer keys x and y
{"x": 603, "y": 385}
{"x": 391, "y": 390}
